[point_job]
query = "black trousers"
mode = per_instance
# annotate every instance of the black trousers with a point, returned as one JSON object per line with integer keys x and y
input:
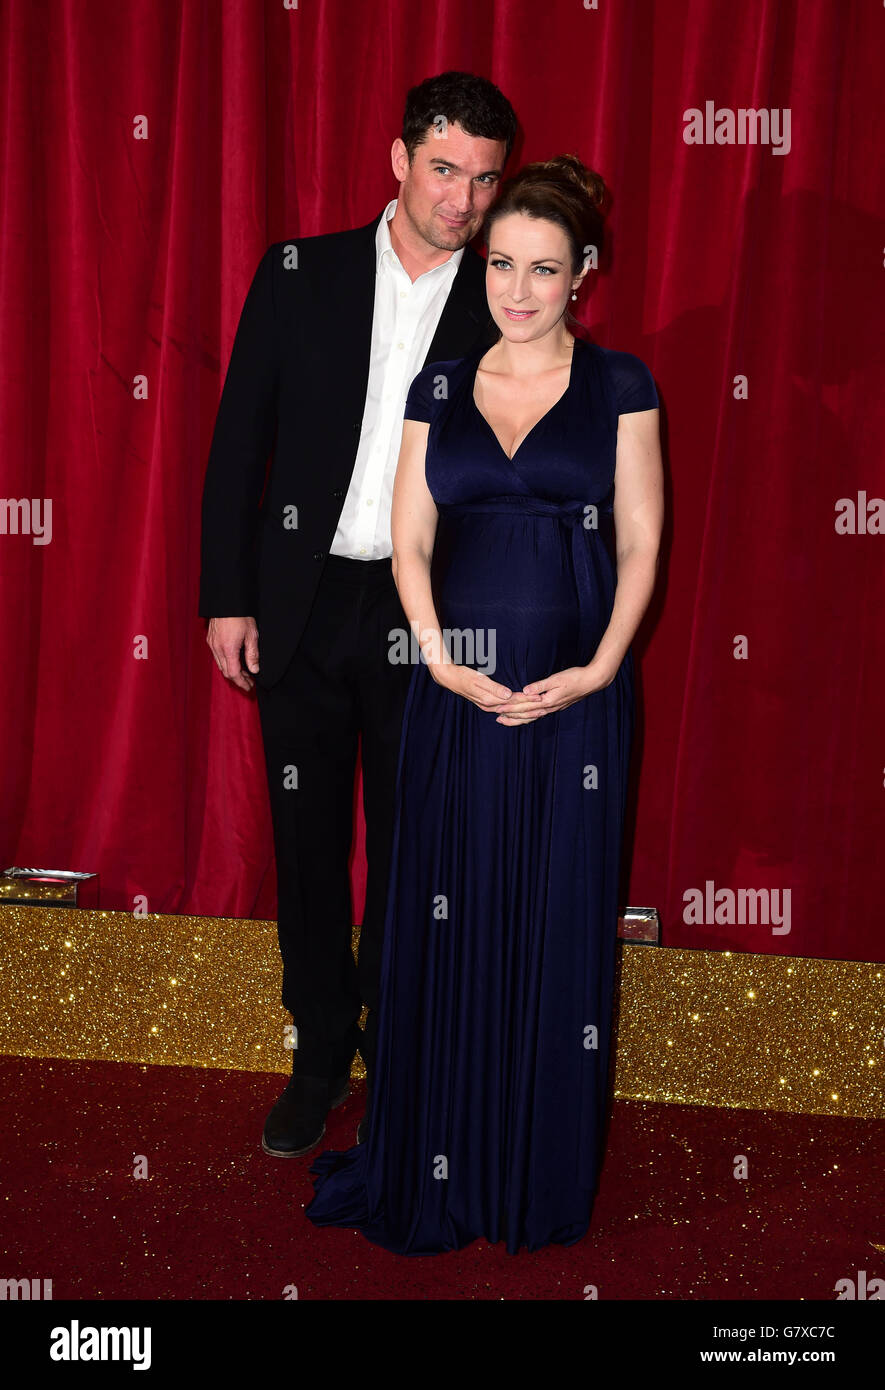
{"x": 340, "y": 692}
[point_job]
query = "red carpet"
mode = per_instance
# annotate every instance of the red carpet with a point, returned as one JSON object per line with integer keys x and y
{"x": 218, "y": 1219}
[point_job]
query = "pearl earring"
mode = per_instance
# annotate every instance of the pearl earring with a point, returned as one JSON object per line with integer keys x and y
{"x": 574, "y": 296}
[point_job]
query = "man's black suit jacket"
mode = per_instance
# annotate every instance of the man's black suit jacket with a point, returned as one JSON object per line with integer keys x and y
{"x": 296, "y": 385}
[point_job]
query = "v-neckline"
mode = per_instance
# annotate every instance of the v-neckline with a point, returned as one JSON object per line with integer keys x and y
{"x": 526, "y": 437}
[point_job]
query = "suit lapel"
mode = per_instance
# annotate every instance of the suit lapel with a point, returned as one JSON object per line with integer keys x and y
{"x": 351, "y": 308}
{"x": 464, "y": 324}
{"x": 465, "y": 321}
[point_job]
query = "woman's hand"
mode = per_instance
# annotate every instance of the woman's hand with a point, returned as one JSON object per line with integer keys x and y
{"x": 486, "y": 694}
{"x": 555, "y": 693}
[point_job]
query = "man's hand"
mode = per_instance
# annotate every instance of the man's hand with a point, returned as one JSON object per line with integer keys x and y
{"x": 226, "y": 638}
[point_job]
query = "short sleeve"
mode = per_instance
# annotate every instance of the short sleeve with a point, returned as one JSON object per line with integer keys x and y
{"x": 633, "y": 382}
{"x": 428, "y": 388}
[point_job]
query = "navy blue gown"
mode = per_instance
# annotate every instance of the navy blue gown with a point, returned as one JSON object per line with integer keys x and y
{"x": 490, "y": 1086}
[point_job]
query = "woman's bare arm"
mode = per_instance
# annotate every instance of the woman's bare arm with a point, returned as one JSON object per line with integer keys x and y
{"x": 639, "y": 520}
{"x": 413, "y": 523}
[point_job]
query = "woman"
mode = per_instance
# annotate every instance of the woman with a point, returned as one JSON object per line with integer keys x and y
{"x": 526, "y": 523}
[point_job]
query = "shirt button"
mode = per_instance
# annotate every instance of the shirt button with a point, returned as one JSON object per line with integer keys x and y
{"x": 401, "y": 345}
{"x": 368, "y": 501}
{"x": 362, "y": 550}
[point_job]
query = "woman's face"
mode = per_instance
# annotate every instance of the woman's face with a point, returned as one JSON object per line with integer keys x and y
{"x": 529, "y": 276}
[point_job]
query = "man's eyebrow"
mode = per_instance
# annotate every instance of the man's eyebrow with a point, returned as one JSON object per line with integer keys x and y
{"x": 543, "y": 261}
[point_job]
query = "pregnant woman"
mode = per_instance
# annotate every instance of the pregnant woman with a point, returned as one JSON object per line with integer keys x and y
{"x": 526, "y": 525}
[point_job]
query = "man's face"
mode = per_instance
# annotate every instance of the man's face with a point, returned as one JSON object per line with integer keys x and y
{"x": 450, "y": 183}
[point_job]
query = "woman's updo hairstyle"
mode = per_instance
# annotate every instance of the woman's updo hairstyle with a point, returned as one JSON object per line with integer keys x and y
{"x": 560, "y": 190}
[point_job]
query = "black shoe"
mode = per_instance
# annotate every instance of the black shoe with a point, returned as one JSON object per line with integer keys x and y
{"x": 339, "y": 1090}
{"x": 297, "y": 1122}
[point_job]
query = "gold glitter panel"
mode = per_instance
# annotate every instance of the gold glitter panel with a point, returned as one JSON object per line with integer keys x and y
{"x": 694, "y": 1027}
{"x": 751, "y": 1031}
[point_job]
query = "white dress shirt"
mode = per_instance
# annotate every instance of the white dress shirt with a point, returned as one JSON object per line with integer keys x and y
{"x": 404, "y": 321}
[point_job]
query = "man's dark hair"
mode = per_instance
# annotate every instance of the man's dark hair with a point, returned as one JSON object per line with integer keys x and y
{"x": 474, "y": 102}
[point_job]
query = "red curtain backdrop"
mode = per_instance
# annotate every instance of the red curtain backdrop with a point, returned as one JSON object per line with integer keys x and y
{"x": 760, "y": 758}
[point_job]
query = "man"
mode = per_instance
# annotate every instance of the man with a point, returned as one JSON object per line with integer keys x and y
{"x": 333, "y": 330}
